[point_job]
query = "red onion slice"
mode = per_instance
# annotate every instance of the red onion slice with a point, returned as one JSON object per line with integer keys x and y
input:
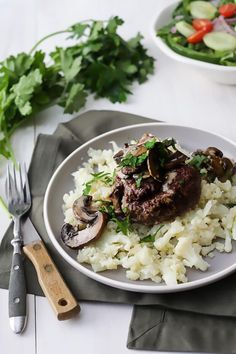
{"x": 220, "y": 25}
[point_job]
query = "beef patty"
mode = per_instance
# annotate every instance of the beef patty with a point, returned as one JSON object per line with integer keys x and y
{"x": 154, "y": 202}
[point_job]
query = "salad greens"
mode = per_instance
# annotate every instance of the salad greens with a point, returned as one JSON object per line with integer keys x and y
{"x": 203, "y": 30}
{"x": 100, "y": 62}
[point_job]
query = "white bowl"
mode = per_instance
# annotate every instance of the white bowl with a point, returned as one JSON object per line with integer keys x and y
{"x": 62, "y": 182}
{"x": 219, "y": 73}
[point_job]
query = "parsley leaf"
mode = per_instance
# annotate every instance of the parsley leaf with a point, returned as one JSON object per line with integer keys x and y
{"x": 24, "y": 89}
{"x": 74, "y": 99}
{"x": 133, "y": 161}
{"x": 148, "y": 238}
{"x": 70, "y": 66}
{"x": 168, "y": 142}
{"x": 197, "y": 161}
{"x": 150, "y": 144}
{"x": 102, "y": 176}
{"x": 151, "y": 238}
{"x": 139, "y": 180}
{"x": 123, "y": 224}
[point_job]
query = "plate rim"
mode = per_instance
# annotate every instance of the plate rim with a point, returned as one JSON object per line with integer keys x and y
{"x": 156, "y": 288}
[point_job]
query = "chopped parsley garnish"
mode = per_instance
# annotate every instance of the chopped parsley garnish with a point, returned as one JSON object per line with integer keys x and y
{"x": 150, "y": 144}
{"x": 151, "y": 238}
{"x": 102, "y": 176}
{"x": 139, "y": 180}
{"x": 197, "y": 161}
{"x": 161, "y": 148}
{"x": 122, "y": 225}
{"x": 169, "y": 142}
{"x": 133, "y": 161}
{"x": 107, "y": 208}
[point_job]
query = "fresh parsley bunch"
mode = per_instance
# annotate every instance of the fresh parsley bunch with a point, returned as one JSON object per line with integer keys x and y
{"x": 100, "y": 62}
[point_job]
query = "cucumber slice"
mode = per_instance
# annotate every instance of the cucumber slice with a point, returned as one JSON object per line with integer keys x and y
{"x": 185, "y": 28}
{"x": 202, "y": 9}
{"x": 220, "y": 41}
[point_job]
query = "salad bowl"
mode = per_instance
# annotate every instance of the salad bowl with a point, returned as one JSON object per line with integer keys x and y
{"x": 218, "y": 73}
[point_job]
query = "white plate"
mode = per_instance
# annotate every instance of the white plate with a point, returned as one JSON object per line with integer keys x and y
{"x": 219, "y": 73}
{"x": 62, "y": 182}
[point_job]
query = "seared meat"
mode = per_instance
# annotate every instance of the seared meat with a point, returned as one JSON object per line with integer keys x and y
{"x": 154, "y": 201}
{"x": 132, "y": 194}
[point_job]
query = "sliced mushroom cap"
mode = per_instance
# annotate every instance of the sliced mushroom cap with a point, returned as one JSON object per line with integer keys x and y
{"x": 139, "y": 150}
{"x": 118, "y": 156}
{"x": 145, "y": 137}
{"x": 76, "y": 239}
{"x": 213, "y": 151}
{"x": 82, "y": 209}
{"x": 228, "y": 169}
{"x": 153, "y": 164}
{"x": 176, "y": 159}
{"x": 116, "y": 196}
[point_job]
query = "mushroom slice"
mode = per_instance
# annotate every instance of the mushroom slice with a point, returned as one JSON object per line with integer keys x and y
{"x": 176, "y": 159}
{"x": 145, "y": 137}
{"x": 213, "y": 151}
{"x": 228, "y": 169}
{"x": 76, "y": 239}
{"x": 83, "y": 211}
{"x": 139, "y": 150}
{"x": 153, "y": 164}
{"x": 118, "y": 156}
{"x": 116, "y": 195}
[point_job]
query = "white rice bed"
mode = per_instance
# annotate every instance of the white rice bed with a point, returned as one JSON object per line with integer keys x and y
{"x": 181, "y": 244}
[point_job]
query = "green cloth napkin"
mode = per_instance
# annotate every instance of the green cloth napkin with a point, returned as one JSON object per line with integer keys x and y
{"x": 200, "y": 320}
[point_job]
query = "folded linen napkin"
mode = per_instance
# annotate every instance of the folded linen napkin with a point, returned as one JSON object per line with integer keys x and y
{"x": 200, "y": 320}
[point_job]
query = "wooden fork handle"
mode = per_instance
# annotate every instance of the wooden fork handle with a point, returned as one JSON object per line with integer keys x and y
{"x": 55, "y": 289}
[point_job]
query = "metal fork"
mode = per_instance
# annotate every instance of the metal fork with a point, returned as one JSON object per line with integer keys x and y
{"x": 19, "y": 202}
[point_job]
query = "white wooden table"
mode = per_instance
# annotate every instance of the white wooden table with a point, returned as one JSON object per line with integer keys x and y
{"x": 174, "y": 94}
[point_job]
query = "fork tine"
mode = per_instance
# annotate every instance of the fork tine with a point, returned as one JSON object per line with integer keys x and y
{"x": 27, "y": 189}
{"x": 21, "y": 183}
{"x": 15, "y": 189}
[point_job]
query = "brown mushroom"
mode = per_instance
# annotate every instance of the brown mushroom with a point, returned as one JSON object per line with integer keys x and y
{"x": 118, "y": 156}
{"x": 213, "y": 151}
{"x": 144, "y": 138}
{"x": 82, "y": 209}
{"x": 116, "y": 196}
{"x": 175, "y": 160}
{"x": 139, "y": 150}
{"x": 228, "y": 169}
{"x": 153, "y": 164}
{"x": 74, "y": 238}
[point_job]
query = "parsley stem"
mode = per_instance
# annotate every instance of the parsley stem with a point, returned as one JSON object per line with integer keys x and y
{"x": 68, "y": 30}
{"x": 46, "y": 37}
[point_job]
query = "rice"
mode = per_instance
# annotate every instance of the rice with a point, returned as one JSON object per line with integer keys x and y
{"x": 187, "y": 242}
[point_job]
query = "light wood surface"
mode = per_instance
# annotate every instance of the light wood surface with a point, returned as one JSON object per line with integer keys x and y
{"x": 54, "y": 287}
{"x": 174, "y": 94}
